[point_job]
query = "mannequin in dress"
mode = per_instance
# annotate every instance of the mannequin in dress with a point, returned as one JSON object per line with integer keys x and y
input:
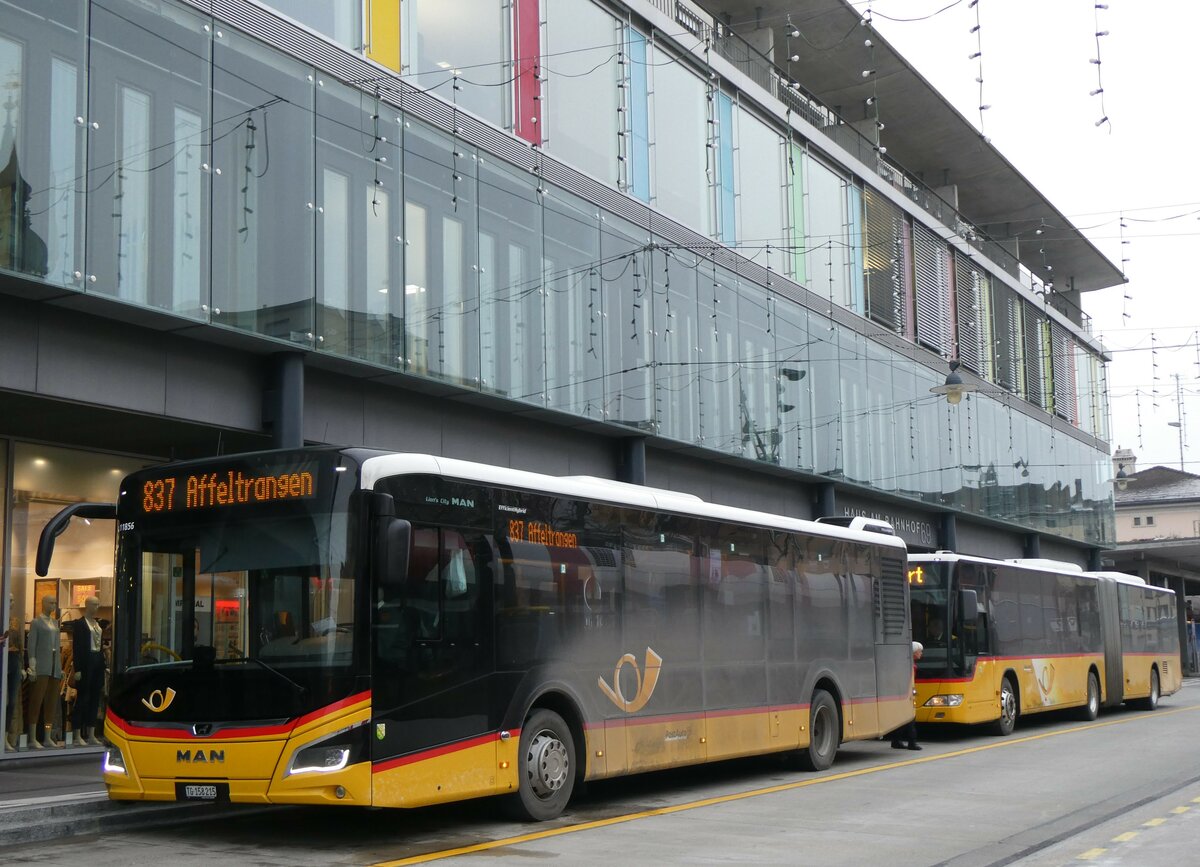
{"x": 45, "y": 669}
{"x": 89, "y": 671}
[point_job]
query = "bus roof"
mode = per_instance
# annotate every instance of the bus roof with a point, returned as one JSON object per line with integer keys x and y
{"x": 1041, "y": 564}
{"x": 603, "y": 490}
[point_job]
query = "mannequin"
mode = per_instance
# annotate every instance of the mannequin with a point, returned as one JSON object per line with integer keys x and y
{"x": 14, "y": 642}
{"x": 45, "y": 670}
{"x": 89, "y": 671}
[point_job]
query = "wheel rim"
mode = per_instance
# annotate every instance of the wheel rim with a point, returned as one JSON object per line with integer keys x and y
{"x": 1154, "y": 688}
{"x": 1093, "y": 695}
{"x": 547, "y": 764}
{"x": 822, "y": 731}
{"x": 1008, "y": 705}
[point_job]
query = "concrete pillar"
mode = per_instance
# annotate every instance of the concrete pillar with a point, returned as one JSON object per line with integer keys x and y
{"x": 825, "y": 501}
{"x": 1095, "y": 561}
{"x": 948, "y": 532}
{"x": 1176, "y": 583}
{"x": 1033, "y": 546}
{"x": 631, "y": 465}
{"x": 283, "y": 400}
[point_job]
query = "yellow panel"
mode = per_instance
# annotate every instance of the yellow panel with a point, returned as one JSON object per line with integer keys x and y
{"x": 383, "y": 32}
{"x": 740, "y": 734}
{"x": 470, "y": 772}
{"x": 664, "y": 744}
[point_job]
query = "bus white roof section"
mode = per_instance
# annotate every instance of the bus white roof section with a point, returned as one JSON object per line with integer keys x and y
{"x": 1126, "y": 578}
{"x": 601, "y": 490}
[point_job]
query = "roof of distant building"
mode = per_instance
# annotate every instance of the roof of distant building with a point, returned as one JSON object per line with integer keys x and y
{"x": 1157, "y": 485}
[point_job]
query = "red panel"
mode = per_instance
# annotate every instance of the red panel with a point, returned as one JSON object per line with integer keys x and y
{"x": 527, "y": 49}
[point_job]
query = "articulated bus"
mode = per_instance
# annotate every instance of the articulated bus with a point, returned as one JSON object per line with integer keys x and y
{"x": 351, "y": 627}
{"x": 1006, "y": 638}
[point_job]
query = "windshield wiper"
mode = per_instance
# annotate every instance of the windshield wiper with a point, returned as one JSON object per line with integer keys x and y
{"x": 301, "y": 691}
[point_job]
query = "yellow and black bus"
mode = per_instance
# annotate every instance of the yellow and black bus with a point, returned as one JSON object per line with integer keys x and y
{"x": 1006, "y": 638}
{"x": 340, "y": 626}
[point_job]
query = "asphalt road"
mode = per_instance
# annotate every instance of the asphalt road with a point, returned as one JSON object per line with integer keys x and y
{"x": 1124, "y": 790}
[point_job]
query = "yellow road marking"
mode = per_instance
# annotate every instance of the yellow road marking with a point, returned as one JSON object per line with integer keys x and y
{"x": 1179, "y": 810}
{"x": 768, "y": 790}
{"x": 1126, "y": 837}
{"x": 1153, "y": 823}
{"x": 1090, "y": 854}
{"x": 1196, "y": 800}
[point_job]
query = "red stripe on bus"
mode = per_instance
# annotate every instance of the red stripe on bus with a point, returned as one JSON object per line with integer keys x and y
{"x": 237, "y": 731}
{"x": 445, "y": 749}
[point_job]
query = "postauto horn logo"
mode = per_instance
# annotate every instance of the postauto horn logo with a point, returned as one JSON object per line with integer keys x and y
{"x": 645, "y": 684}
{"x": 158, "y": 701}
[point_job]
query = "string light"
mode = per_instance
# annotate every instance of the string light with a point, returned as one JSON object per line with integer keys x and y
{"x": 1097, "y": 61}
{"x": 977, "y": 56}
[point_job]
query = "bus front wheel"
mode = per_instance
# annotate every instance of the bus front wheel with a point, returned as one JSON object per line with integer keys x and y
{"x": 823, "y": 731}
{"x": 1008, "y": 709}
{"x": 546, "y": 767}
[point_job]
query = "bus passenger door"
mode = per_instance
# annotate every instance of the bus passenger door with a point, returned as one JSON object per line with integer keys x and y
{"x": 431, "y": 656}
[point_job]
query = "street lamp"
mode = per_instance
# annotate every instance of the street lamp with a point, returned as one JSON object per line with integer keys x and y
{"x": 1178, "y": 424}
{"x": 954, "y": 388}
{"x": 1122, "y": 478}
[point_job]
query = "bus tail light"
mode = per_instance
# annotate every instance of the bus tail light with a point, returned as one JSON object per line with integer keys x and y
{"x": 945, "y": 701}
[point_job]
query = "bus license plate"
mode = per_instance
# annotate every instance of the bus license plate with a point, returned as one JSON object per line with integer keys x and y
{"x": 200, "y": 793}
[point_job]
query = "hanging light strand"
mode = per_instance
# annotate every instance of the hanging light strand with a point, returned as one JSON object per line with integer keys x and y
{"x": 1097, "y": 61}
{"x": 977, "y": 56}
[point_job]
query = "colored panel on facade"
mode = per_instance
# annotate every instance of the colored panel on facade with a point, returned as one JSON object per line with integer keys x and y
{"x": 383, "y": 32}
{"x": 639, "y": 118}
{"x": 724, "y": 144}
{"x": 854, "y": 206}
{"x": 527, "y": 49}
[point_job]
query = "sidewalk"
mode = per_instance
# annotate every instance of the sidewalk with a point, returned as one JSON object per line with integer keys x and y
{"x": 45, "y": 797}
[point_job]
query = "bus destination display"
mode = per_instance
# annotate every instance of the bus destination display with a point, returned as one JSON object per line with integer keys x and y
{"x": 207, "y": 490}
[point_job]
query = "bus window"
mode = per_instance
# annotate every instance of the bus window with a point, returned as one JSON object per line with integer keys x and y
{"x": 781, "y": 579}
{"x": 1006, "y": 611}
{"x": 662, "y": 608}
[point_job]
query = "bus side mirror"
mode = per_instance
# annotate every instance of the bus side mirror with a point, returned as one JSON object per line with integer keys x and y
{"x": 968, "y": 603}
{"x": 391, "y": 557}
{"x": 56, "y": 525}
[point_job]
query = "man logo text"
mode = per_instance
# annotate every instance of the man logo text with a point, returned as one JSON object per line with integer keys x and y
{"x": 200, "y": 757}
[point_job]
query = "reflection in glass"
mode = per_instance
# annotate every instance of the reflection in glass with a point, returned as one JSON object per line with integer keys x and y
{"x": 510, "y": 283}
{"x": 760, "y": 190}
{"x": 628, "y": 323}
{"x": 677, "y": 343}
{"x": 131, "y": 194}
{"x": 61, "y": 235}
{"x": 263, "y": 197}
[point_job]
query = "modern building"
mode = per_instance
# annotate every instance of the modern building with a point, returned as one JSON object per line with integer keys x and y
{"x": 629, "y": 239}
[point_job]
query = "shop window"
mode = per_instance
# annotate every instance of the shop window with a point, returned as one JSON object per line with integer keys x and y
{"x": 45, "y": 479}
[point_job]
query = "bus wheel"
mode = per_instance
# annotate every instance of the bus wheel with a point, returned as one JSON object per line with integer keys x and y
{"x": 1008, "y": 709}
{"x": 546, "y": 767}
{"x": 824, "y": 737}
{"x": 1150, "y": 702}
{"x": 1091, "y": 710}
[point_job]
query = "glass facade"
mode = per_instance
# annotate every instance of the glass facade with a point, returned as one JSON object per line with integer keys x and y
{"x": 251, "y": 191}
{"x": 41, "y": 691}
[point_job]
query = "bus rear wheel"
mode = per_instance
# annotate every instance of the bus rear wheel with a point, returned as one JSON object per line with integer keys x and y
{"x": 545, "y": 767}
{"x": 823, "y": 731}
{"x": 1008, "y": 709}
{"x": 1150, "y": 702}
{"x": 1091, "y": 710}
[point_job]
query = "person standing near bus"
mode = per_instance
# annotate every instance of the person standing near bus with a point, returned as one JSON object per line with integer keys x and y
{"x": 908, "y": 732}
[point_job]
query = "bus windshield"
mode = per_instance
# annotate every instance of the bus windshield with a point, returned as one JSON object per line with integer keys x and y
{"x": 230, "y": 591}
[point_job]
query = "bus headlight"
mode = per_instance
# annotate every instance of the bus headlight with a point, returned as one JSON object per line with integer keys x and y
{"x": 114, "y": 762}
{"x": 332, "y": 753}
{"x": 944, "y": 701}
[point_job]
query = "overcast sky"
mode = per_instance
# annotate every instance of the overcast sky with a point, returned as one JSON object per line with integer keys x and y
{"x": 1037, "y": 76}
